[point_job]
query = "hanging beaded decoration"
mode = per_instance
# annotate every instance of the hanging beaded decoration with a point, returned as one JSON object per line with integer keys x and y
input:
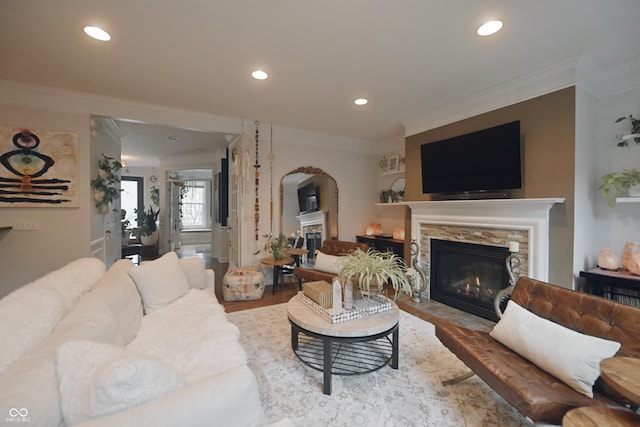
{"x": 257, "y": 167}
{"x": 271, "y": 158}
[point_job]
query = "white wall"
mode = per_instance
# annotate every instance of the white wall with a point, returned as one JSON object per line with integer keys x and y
{"x": 618, "y": 225}
{"x": 64, "y": 233}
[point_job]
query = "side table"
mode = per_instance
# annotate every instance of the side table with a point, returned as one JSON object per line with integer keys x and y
{"x": 623, "y": 375}
{"x": 277, "y": 267}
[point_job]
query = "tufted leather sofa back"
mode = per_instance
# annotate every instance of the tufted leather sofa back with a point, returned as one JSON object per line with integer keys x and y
{"x": 340, "y": 247}
{"x": 582, "y": 312}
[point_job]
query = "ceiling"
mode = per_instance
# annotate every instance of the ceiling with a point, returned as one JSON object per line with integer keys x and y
{"x": 408, "y": 57}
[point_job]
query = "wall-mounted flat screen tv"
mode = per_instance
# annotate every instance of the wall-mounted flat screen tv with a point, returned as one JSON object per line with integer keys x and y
{"x": 482, "y": 161}
{"x": 308, "y": 198}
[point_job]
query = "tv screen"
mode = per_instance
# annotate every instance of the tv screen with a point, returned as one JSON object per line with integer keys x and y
{"x": 486, "y": 160}
{"x": 308, "y": 200}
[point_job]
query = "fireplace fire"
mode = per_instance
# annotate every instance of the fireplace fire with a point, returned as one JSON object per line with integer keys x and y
{"x": 468, "y": 275}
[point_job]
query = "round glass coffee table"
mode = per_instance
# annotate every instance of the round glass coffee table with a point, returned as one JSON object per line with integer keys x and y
{"x": 352, "y": 347}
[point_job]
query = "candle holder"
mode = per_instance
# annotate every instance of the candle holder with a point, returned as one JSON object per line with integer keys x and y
{"x": 420, "y": 285}
{"x": 513, "y": 262}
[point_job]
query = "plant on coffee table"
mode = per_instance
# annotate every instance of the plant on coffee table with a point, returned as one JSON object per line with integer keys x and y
{"x": 371, "y": 269}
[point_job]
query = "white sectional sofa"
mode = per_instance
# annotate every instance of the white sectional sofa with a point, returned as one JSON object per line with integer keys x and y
{"x": 136, "y": 346}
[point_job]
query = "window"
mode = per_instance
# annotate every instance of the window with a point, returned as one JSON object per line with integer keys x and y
{"x": 131, "y": 197}
{"x": 196, "y": 205}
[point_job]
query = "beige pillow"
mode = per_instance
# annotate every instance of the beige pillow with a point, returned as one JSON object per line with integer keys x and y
{"x": 570, "y": 356}
{"x": 160, "y": 281}
{"x": 327, "y": 263}
{"x": 194, "y": 271}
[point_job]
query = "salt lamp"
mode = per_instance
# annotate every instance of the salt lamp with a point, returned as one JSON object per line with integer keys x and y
{"x": 608, "y": 259}
{"x": 629, "y": 250}
{"x": 378, "y": 229}
{"x": 370, "y": 230}
{"x": 398, "y": 233}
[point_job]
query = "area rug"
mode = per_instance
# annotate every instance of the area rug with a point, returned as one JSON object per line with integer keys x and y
{"x": 410, "y": 396}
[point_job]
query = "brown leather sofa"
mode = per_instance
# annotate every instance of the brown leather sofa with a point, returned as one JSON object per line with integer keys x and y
{"x": 329, "y": 247}
{"x": 536, "y": 394}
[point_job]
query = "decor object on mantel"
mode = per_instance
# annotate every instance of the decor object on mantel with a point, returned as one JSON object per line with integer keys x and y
{"x": 631, "y": 257}
{"x": 608, "y": 259}
{"x": 398, "y": 233}
{"x": 374, "y": 229}
{"x": 105, "y": 186}
{"x": 627, "y": 182}
{"x": 370, "y": 270}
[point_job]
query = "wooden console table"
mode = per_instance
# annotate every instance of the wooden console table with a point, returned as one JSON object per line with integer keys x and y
{"x": 619, "y": 285}
{"x": 383, "y": 244}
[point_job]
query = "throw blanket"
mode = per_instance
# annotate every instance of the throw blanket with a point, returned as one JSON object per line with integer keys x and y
{"x": 191, "y": 334}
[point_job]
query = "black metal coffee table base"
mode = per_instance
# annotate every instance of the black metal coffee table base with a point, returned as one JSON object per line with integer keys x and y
{"x": 345, "y": 355}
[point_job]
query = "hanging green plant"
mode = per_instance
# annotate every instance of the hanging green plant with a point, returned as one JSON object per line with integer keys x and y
{"x": 633, "y": 134}
{"x": 106, "y": 186}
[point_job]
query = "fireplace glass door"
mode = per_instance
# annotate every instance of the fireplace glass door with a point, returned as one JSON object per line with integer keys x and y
{"x": 468, "y": 275}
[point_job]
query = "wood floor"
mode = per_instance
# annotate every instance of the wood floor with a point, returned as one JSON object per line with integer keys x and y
{"x": 431, "y": 311}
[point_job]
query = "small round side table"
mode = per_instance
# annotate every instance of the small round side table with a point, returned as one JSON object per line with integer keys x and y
{"x": 277, "y": 267}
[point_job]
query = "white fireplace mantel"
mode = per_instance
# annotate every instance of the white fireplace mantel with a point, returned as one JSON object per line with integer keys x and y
{"x": 530, "y": 215}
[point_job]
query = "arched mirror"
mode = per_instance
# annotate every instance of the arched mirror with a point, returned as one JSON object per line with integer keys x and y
{"x": 309, "y": 206}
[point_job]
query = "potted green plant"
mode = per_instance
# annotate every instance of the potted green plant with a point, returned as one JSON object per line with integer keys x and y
{"x": 276, "y": 246}
{"x": 627, "y": 182}
{"x": 634, "y": 133}
{"x": 147, "y": 229}
{"x": 370, "y": 270}
{"x": 125, "y": 226}
{"x": 620, "y": 184}
{"x": 106, "y": 186}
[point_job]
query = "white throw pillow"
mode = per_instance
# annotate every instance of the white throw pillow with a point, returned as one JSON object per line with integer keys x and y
{"x": 570, "y": 356}
{"x": 97, "y": 379}
{"x": 327, "y": 263}
{"x": 194, "y": 271}
{"x": 160, "y": 281}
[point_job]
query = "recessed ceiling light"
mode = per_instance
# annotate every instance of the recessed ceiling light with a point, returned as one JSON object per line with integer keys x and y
{"x": 173, "y": 138}
{"x": 361, "y": 101}
{"x": 488, "y": 28}
{"x": 97, "y": 33}
{"x": 259, "y": 75}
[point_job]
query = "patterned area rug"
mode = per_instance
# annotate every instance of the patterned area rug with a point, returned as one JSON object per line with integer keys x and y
{"x": 410, "y": 396}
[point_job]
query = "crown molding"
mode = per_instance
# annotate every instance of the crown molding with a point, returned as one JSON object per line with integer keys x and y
{"x": 516, "y": 90}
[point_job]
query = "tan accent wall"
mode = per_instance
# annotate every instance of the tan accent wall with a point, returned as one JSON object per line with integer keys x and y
{"x": 547, "y": 125}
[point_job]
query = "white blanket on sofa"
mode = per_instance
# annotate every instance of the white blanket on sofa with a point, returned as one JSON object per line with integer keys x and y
{"x": 192, "y": 335}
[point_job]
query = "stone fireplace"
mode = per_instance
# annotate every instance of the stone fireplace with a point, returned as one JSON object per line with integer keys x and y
{"x": 490, "y": 223}
{"x": 313, "y": 228}
{"x": 468, "y": 275}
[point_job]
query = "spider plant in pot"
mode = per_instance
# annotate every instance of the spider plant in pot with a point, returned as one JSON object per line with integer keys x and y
{"x": 370, "y": 270}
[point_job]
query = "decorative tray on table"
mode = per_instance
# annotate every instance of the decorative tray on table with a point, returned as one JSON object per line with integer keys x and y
{"x": 361, "y": 307}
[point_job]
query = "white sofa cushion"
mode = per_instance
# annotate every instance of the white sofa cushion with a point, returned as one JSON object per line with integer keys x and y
{"x": 120, "y": 292}
{"x": 97, "y": 379}
{"x": 327, "y": 263}
{"x": 194, "y": 271}
{"x": 29, "y": 314}
{"x": 160, "y": 281}
{"x": 193, "y": 335}
{"x": 32, "y": 383}
{"x": 570, "y": 356}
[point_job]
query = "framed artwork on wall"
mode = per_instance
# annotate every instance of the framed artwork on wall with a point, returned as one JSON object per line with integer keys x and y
{"x": 393, "y": 163}
{"x": 38, "y": 168}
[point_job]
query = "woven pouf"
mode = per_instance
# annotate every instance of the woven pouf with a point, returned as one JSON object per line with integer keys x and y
{"x": 243, "y": 284}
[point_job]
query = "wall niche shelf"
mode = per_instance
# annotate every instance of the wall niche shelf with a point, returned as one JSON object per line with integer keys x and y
{"x": 628, "y": 200}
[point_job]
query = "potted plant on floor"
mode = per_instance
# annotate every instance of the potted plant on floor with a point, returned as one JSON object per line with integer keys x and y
{"x": 147, "y": 229}
{"x": 370, "y": 270}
